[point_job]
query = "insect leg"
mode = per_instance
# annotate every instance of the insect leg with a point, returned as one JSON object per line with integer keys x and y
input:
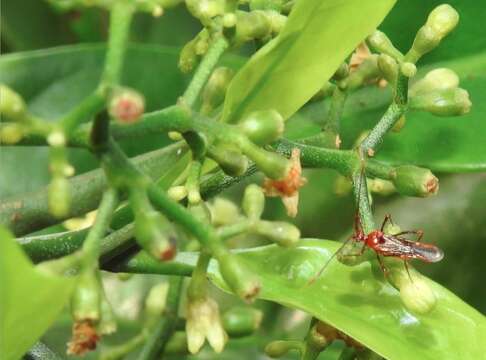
{"x": 419, "y": 234}
{"x": 406, "y": 268}
{"x": 388, "y": 218}
{"x": 382, "y": 265}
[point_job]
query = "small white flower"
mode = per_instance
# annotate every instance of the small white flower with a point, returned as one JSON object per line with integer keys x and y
{"x": 203, "y": 322}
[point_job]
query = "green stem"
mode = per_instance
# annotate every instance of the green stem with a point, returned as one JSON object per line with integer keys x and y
{"x": 83, "y": 112}
{"x": 161, "y": 333}
{"x": 229, "y": 231}
{"x": 362, "y": 201}
{"x": 198, "y": 287}
{"x": 119, "y": 351}
{"x": 92, "y": 244}
{"x": 216, "y": 49}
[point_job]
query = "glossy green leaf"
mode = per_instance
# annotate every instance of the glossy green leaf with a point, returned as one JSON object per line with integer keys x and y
{"x": 289, "y": 70}
{"x": 29, "y": 300}
{"x": 367, "y": 309}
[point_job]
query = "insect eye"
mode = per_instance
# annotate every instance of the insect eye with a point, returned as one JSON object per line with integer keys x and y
{"x": 381, "y": 240}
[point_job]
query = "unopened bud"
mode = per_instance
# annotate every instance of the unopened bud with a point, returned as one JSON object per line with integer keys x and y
{"x": 126, "y": 105}
{"x": 341, "y": 72}
{"x": 188, "y": 57}
{"x": 412, "y": 180}
{"x": 10, "y": 133}
{"x": 205, "y": 10}
{"x": 445, "y": 102}
{"x": 224, "y": 212}
{"x": 59, "y": 197}
{"x": 379, "y": 42}
{"x": 177, "y": 193}
{"x": 417, "y": 295}
{"x": 175, "y": 135}
{"x": 398, "y": 126}
{"x": 437, "y": 79}
{"x": 86, "y": 299}
{"x": 242, "y": 282}
{"x": 443, "y": 19}
{"x": 388, "y": 68}
{"x": 380, "y": 186}
{"x": 201, "y": 212}
{"x": 253, "y": 202}
{"x": 281, "y": 233}
{"x": 56, "y": 138}
{"x": 229, "y": 20}
{"x": 11, "y": 104}
{"x": 273, "y": 165}
{"x": 279, "y": 348}
{"x": 215, "y": 89}
{"x": 365, "y": 72}
{"x": 230, "y": 159}
{"x": 156, "y": 300}
{"x": 242, "y": 321}
{"x": 251, "y": 25}
{"x": 155, "y": 234}
{"x": 263, "y": 126}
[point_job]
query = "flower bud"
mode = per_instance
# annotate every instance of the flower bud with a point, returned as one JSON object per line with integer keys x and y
{"x": 201, "y": 212}
{"x": 177, "y": 193}
{"x": 224, "y": 212}
{"x": 251, "y": 25}
{"x": 279, "y": 348}
{"x": 408, "y": 69}
{"x": 365, "y": 72}
{"x": 417, "y": 295}
{"x": 445, "y": 102}
{"x": 380, "y": 186}
{"x": 398, "y": 126}
{"x": 437, "y": 79}
{"x": 241, "y": 281}
{"x": 388, "y": 68}
{"x": 188, "y": 58}
{"x": 11, "y": 104}
{"x": 253, "y": 202}
{"x": 205, "y": 10}
{"x": 379, "y": 42}
{"x": 263, "y": 126}
{"x": 242, "y": 321}
{"x": 155, "y": 234}
{"x": 341, "y": 72}
{"x": 59, "y": 197}
{"x": 126, "y": 105}
{"x": 281, "y": 233}
{"x": 273, "y": 165}
{"x": 10, "y": 133}
{"x": 156, "y": 300}
{"x": 215, "y": 90}
{"x": 443, "y": 19}
{"x": 415, "y": 181}
{"x": 425, "y": 41}
{"x": 229, "y": 158}
{"x": 86, "y": 299}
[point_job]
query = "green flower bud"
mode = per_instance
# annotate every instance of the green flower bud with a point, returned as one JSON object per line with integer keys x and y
{"x": 443, "y": 102}
{"x": 281, "y": 233}
{"x": 126, "y": 105}
{"x": 11, "y": 133}
{"x": 86, "y": 299}
{"x": 253, "y": 202}
{"x": 201, "y": 212}
{"x": 279, "y": 348}
{"x": 215, "y": 90}
{"x": 437, "y": 79}
{"x": 107, "y": 323}
{"x": 156, "y": 300}
{"x": 242, "y": 321}
{"x": 175, "y": 135}
{"x": 425, "y": 41}
{"x": 251, "y": 25}
{"x": 205, "y": 10}
{"x": 417, "y": 295}
{"x": 380, "y": 186}
{"x": 188, "y": 58}
{"x": 11, "y": 104}
{"x": 59, "y": 196}
{"x": 408, "y": 69}
{"x": 415, "y": 181}
{"x": 379, "y": 42}
{"x": 224, "y": 212}
{"x": 240, "y": 280}
{"x": 177, "y": 193}
{"x": 366, "y": 72}
{"x": 229, "y": 158}
{"x": 273, "y": 165}
{"x": 155, "y": 234}
{"x": 388, "y": 68}
{"x": 398, "y": 126}
{"x": 341, "y": 72}
{"x": 443, "y": 19}
{"x": 263, "y": 126}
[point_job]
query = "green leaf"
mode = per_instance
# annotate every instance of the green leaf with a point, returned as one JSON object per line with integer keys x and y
{"x": 29, "y": 300}
{"x": 367, "y": 309}
{"x": 289, "y": 70}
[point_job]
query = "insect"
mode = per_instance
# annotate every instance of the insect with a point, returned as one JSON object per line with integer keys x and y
{"x": 385, "y": 245}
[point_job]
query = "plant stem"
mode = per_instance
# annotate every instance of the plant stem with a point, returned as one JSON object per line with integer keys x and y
{"x": 216, "y": 49}
{"x": 198, "y": 287}
{"x": 161, "y": 333}
{"x": 92, "y": 244}
{"x": 91, "y": 105}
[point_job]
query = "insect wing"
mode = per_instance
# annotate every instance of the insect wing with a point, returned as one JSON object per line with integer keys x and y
{"x": 393, "y": 246}
{"x": 427, "y": 252}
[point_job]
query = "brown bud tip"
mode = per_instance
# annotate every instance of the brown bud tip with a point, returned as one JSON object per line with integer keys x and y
{"x": 168, "y": 254}
{"x": 127, "y": 106}
{"x": 432, "y": 185}
{"x": 84, "y": 338}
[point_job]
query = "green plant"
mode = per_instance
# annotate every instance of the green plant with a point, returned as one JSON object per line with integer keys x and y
{"x": 301, "y": 100}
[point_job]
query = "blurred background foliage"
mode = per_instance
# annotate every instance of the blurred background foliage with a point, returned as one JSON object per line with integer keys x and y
{"x": 53, "y": 80}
